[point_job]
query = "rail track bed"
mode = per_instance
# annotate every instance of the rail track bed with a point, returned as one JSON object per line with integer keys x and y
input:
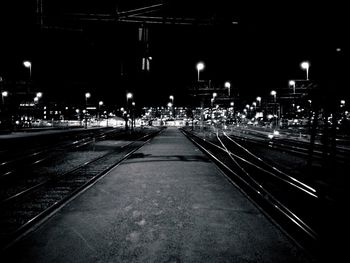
{"x": 301, "y": 208}
{"x": 28, "y": 196}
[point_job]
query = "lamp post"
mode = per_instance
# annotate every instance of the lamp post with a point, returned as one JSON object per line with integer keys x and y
{"x": 38, "y": 96}
{"x": 258, "y": 99}
{"x": 228, "y": 86}
{"x": 254, "y": 105}
{"x": 3, "y": 95}
{"x": 87, "y": 96}
{"x": 200, "y": 66}
{"x": 28, "y": 64}
{"x": 100, "y": 103}
{"x": 292, "y": 84}
{"x": 305, "y": 65}
{"x": 133, "y": 115}
{"x": 273, "y": 93}
{"x": 171, "y": 97}
{"x": 129, "y": 96}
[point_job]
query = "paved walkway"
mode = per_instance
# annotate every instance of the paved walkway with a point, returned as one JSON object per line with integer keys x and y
{"x": 167, "y": 203}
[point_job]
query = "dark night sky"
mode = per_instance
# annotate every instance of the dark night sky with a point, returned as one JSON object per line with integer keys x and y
{"x": 261, "y": 53}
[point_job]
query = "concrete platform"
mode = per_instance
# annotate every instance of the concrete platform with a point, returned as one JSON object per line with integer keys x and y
{"x": 167, "y": 203}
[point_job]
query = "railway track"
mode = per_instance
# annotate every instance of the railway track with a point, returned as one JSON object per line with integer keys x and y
{"x": 290, "y": 145}
{"x": 12, "y": 179}
{"x": 27, "y": 157}
{"x": 298, "y": 208}
{"x": 24, "y": 209}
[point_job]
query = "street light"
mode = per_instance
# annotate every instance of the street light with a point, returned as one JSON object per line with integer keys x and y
{"x": 214, "y": 94}
{"x": 3, "y": 95}
{"x": 273, "y": 93}
{"x": 87, "y": 95}
{"x": 200, "y": 66}
{"x": 292, "y": 84}
{"x": 28, "y": 64}
{"x": 128, "y": 96}
{"x": 258, "y": 99}
{"x": 228, "y": 86}
{"x": 305, "y": 65}
{"x": 172, "y": 98}
{"x": 100, "y": 103}
{"x": 38, "y": 96}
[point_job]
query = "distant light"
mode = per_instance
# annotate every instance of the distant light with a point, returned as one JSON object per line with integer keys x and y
{"x": 39, "y": 94}
{"x": 273, "y": 92}
{"x": 227, "y": 84}
{"x": 270, "y": 136}
{"x": 171, "y": 97}
{"x": 232, "y": 103}
{"x": 100, "y": 103}
{"x": 87, "y": 95}
{"x": 276, "y": 132}
{"x": 258, "y": 99}
{"x": 36, "y": 99}
{"x": 133, "y": 103}
{"x": 338, "y": 49}
{"x": 170, "y": 104}
{"x": 4, "y": 93}
{"x": 200, "y": 66}
{"x": 27, "y": 64}
{"x": 291, "y": 83}
{"x": 129, "y": 95}
{"x": 214, "y": 94}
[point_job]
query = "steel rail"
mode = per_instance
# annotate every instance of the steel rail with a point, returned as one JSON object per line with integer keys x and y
{"x": 76, "y": 144}
{"x": 260, "y": 191}
{"x": 289, "y": 179}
